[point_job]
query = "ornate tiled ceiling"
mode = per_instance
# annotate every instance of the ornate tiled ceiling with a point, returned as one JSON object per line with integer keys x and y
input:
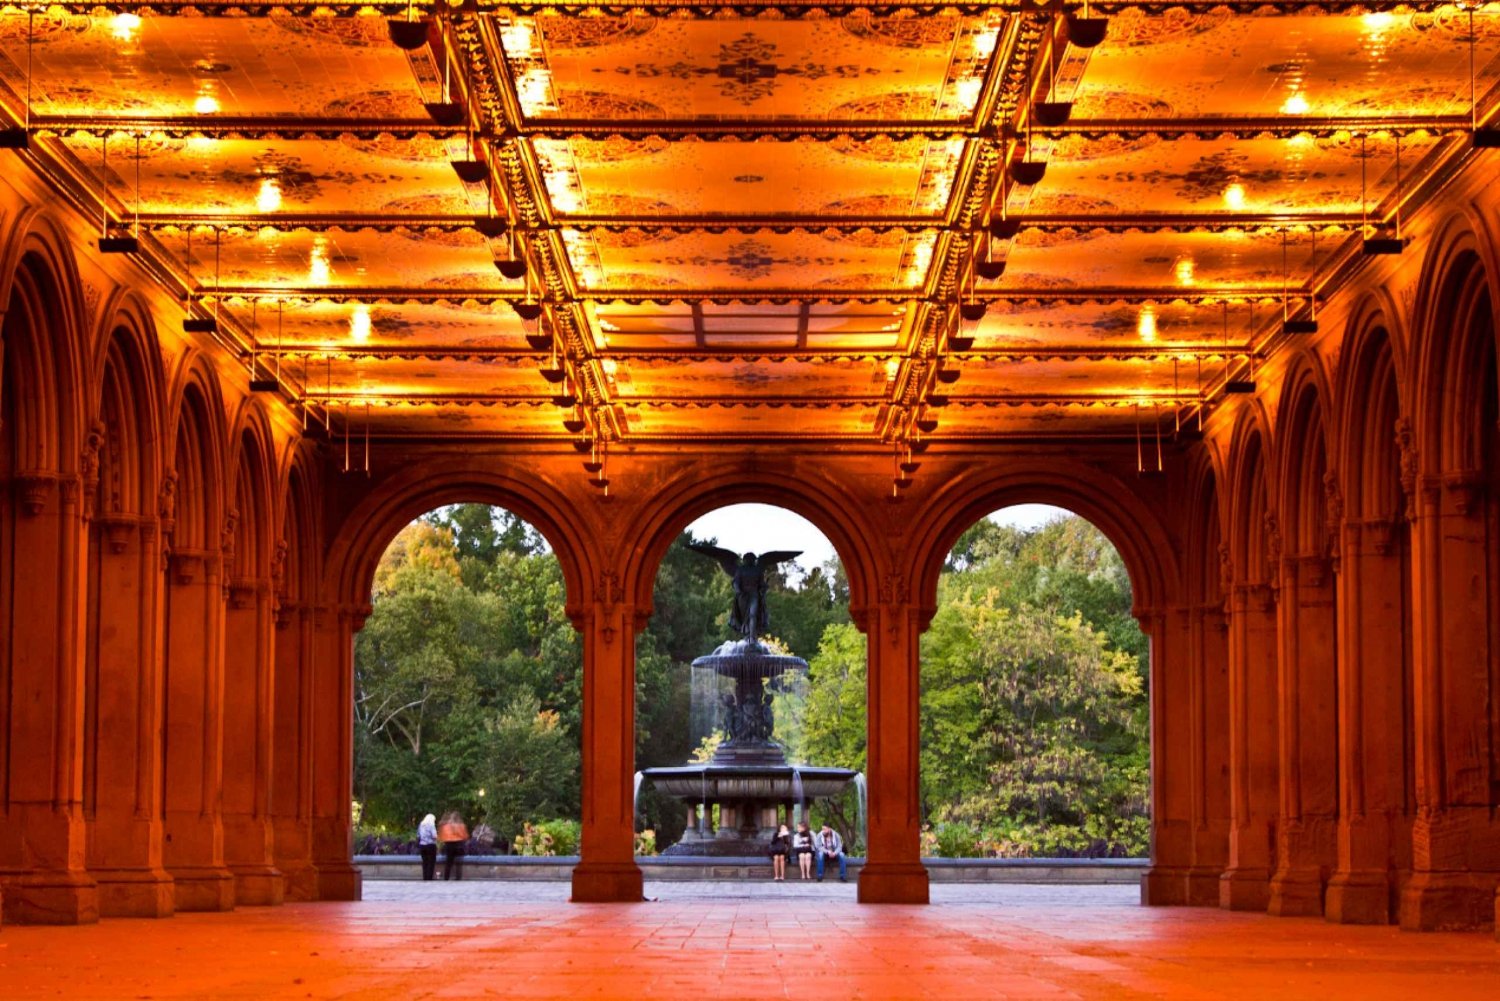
{"x": 748, "y": 222}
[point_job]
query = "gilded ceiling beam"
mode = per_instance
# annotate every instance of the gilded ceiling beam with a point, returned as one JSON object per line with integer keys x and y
{"x": 392, "y": 295}
{"x": 706, "y": 9}
{"x": 744, "y": 130}
{"x": 801, "y": 355}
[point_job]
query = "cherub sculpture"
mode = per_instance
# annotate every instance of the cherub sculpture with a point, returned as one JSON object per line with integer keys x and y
{"x": 747, "y": 573}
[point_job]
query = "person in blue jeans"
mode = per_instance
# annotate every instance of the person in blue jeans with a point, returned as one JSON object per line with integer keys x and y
{"x": 828, "y": 846}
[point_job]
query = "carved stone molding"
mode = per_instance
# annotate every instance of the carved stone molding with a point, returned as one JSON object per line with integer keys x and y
{"x": 1406, "y": 447}
{"x": 1273, "y": 547}
{"x": 1333, "y": 510}
{"x": 34, "y": 490}
{"x": 166, "y": 503}
{"x": 88, "y": 465}
{"x": 1465, "y": 487}
{"x": 1310, "y": 570}
{"x": 243, "y": 591}
{"x": 118, "y": 529}
{"x": 187, "y": 566}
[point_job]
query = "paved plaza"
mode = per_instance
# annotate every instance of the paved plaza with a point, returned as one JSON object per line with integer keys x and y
{"x": 739, "y": 940}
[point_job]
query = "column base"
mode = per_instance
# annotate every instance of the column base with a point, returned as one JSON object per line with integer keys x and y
{"x": 339, "y": 881}
{"x": 1203, "y": 887}
{"x": 203, "y": 888}
{"x": 299, "y": 881}
{"x": 1164, "y": 886}
{"x": 257, "y": 885}
{"x": 134, "y": 893}
{"x": 1448, "y": 901}
{"x": 1359, "y": 897}
{"x": 1296, "y": 893}
{"x": 893, "y": 883}
{"x": 608, "y": 883}
{"x": 50, "y": 898}
{"x": 1245, "y": 889}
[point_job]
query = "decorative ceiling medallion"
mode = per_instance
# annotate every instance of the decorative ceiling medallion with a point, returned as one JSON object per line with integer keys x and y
{"x": 902, "y": 32}
{"x": 593, "y": 32}
{"x": 746, "y": 70}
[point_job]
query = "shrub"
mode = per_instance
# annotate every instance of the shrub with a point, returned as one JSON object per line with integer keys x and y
{"x": 645, "y": 842}
{"x": 549, "y": 837}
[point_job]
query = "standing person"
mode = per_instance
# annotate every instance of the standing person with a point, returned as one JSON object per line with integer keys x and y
{"x": 830, "y": 846}
{"x": 781, "y": 846}
{"x": 453, "y": 833}
{"x": 427, "y": 846}
{"x": 803, "y": 847}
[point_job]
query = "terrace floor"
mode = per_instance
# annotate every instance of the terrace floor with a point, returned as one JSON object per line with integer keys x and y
{"x": 738, "y": 940}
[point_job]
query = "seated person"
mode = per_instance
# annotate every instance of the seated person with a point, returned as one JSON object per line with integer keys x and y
{"x": 828, "y": 846}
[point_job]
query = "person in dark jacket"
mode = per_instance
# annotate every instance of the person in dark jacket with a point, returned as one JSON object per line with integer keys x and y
{"x": 830, "y": 847}
{"x": 802, "y": 847}
{"x": 781, "y": 847}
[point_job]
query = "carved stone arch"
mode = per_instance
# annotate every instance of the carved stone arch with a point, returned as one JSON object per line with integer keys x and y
{"x": 1302, "y": 463}
{"x": 716, "y": 483}
{"x": 127, "y": 390}
{"x": 368, "y": 529}
{"x": 295, "y": 563}
{"x": 1251, "y": 519}
{"x": 191, "y": 503}
{"x": 1125, "y": 519}
{"x": 43, "y": 339}
{"x": 250, "y": 521}
{"x": 1455, "y": 329}
{"x": 1205, "y": 556}
{"x": 1370, "y": 405}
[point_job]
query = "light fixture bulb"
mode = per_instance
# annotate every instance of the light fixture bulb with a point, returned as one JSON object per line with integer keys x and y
{"x": 206, "y": 104}
{"x": 1184, "y": 270}
{"x": 1296, "y": 104}
{"x": 1377, "y": 21}
{"x": 359, "y": 323}
{"x": 1146, "y": 324}
{"x": 319, "y": 272}
{"x": 124, "y": 26}
{"x": 268, "y": 199}
{"x": 1234, "y": 196}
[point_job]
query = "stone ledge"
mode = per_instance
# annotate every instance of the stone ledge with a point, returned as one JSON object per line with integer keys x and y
{"x": 939, "y": 870}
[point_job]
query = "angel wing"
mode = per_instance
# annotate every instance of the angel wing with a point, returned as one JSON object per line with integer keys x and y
{"x": 768, "y": 560}
{"x": 726, "y": 559}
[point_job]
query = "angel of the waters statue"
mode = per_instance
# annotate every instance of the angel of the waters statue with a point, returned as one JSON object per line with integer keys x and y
{"x": 747, "y": 574}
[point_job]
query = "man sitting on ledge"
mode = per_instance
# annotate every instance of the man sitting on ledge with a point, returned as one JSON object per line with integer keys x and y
{"x": 828, "y": 845}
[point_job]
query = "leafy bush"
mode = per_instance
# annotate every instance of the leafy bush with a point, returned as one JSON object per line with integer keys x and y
{"x": 549, "y": 837}
{"x": 645, "y": 842}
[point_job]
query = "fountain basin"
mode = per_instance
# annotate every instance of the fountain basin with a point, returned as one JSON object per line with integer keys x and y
{"x": 775, "y": 783}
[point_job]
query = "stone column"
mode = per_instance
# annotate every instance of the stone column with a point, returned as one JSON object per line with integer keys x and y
{"x": 1308, "y": 765}
{"x": 1455, "y": 843}
{"x": 1171, "y": 757}
{"x": 333, "y": 750}
{"x": 1373, "y": 828}
{"x": 1245, "y": 884}
{"x": 893, "y": 871}
{"x": 1208, "y": 696}
{"x": 292, "y": 756}
{"x": 193, "y": 848}
{"x": 607, "y": 871}
{"x": 248, "y": 707}
{"x": 42, "y": 836}
{"x": 123, "y": 720}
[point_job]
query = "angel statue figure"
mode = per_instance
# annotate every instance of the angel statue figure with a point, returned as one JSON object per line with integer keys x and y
{"x": 748, "y": 617}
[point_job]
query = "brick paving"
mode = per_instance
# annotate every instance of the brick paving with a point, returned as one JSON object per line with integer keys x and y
{"x": 737, "y": 940}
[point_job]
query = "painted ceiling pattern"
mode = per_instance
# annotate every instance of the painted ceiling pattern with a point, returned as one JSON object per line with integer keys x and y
{"x": 748, "y": 222}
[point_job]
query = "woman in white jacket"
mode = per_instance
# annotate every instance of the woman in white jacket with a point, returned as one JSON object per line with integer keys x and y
{"x": 427, "y": 845}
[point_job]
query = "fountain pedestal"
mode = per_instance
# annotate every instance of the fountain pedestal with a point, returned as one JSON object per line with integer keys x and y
{"x": 748, "y": 777}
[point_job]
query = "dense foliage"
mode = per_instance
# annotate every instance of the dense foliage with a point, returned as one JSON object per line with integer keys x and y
{"x": 468, "y": 680}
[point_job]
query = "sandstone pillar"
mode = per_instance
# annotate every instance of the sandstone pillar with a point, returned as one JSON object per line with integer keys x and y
{"x": 1171, "y": 757}
{"x": 292, "y": 755}
{"x": 1373, "y": 827}
{"x": 1455, "y": 840}
{"x": 1245, "y": 884}
{"x": 1308, "y": 765}
{"x": 893, "y": 871}
{"x": 193, "y": 849}
{"x": 42, "y": 833}
{"x": 1208, "y": 696}
{"x": 248, "y": 706}
{"x": 332, "y": 713}
{"x": 607, "y": 871}
{"x": 122, "y": 771}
